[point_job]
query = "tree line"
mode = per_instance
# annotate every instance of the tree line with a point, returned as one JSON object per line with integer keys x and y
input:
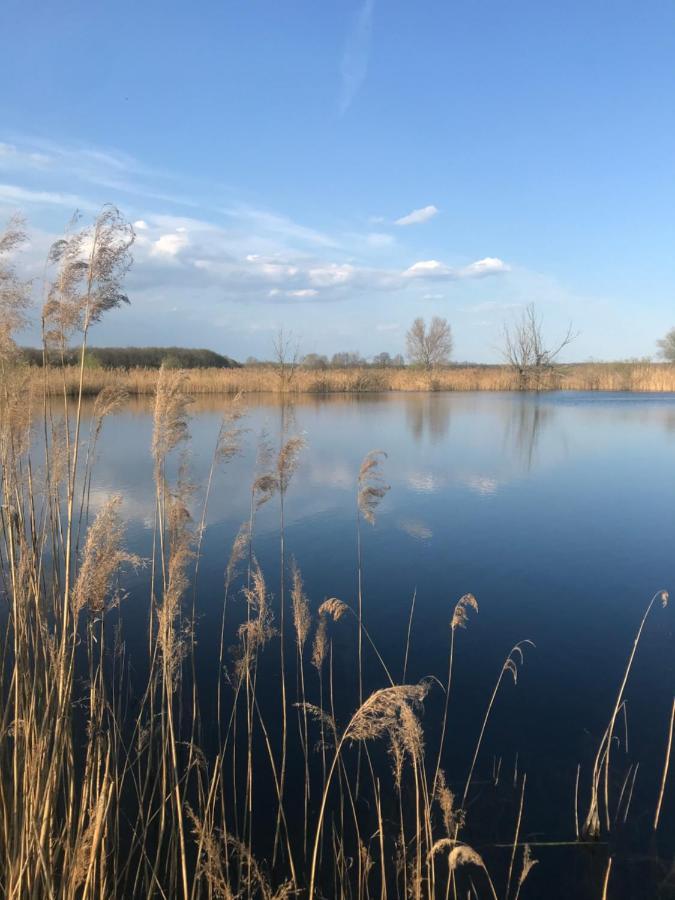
{"x": 133, "y": 358}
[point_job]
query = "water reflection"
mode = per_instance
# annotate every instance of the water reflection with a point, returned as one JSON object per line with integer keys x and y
{"x": 494, "y": 439}
{"x": 525, "y": 421}
{"x": 427, "y": 414}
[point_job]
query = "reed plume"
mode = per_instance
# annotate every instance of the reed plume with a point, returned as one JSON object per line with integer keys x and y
{"x": 170, "y": 418}
{"x": 102, "y": 558}
{"x": 460, "y": 619}
{"x": 302, "y": 618}
{"x": 453, "y": 819}
{"x": 15, "y": 297}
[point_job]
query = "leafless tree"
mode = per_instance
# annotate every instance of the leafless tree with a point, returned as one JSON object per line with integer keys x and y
{"x": 286, "y": 359}
{"x": 429, "y": 347}
{"x": 526, "y": 352}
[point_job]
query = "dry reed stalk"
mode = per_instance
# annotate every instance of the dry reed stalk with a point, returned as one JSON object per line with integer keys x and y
{"x": 379, "y": 716}
{"x": 666, "y": 764}
{"x": 514, "y": 658}
{"x": 605, "y": 883}
{"x": 228, "y": 445}
{"x": 371, "y": 488}
{"x": 287, "y": 464}
{"x": 630, "y": 793}
{"x": 459, "y": 619}
{"x": 515, "y": 837}
{"x": 592, "y": 823}
{"x": 462, "y": 855}
{"x": 302, "y": 621}
{"x": 576, "y": 802}
{"x": 622, "y": 792}
{"x": 407, "y": 642}
{"x": 528, "y": 864}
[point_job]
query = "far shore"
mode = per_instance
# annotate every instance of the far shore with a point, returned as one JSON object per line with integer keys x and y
{"x": 638, "y": 377}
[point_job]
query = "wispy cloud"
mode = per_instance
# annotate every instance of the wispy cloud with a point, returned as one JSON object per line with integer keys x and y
{"x": 12, "y": 194}
{"x": 379, "y": 239}
{"x": 354, "y": 65}
{"x": 417, "y": 216}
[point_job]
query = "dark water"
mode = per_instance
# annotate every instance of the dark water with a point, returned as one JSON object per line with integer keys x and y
{"x": 557, "y": 512}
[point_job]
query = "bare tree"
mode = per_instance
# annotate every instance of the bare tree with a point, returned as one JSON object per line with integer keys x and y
{"x": 429, "y": 347}
{"x": 667, "y": 346}
{"x": 526, "y": 352}
{"x": 286, "y": 359}
{"x": 347, "y": 360}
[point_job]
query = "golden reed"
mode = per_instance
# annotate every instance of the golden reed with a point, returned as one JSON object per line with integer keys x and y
{"x": 637, "y": 377}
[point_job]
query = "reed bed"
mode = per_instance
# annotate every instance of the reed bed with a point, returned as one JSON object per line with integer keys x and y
{"x": 637, "y": 377}
{"x": 128, "y": 778}
{"x": 120, "y": 786}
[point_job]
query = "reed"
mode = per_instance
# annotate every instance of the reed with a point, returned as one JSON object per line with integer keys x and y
{"x": 640, "y": 377}
{"x": 118, "y": 778}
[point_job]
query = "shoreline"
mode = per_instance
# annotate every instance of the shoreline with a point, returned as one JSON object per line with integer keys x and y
{"x": 601, "y": 377}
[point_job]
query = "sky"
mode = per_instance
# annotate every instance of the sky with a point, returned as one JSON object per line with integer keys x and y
{"x": 338, "y": 168}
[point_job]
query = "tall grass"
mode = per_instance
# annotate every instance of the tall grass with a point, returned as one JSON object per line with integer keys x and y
{"x": 117, "y": 778}
{"x": 638, "y": 377}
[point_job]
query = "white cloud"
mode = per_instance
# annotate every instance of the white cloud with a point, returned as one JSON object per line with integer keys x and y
{"x": 491, "y": 265}
{"x": 417, "y": 216}
{"x": 428, "y": 268}
{"x": 170, "y": 244}
{"x": 331, "y": 275}
{"x": 432, "y": 268}
{"x": 140, "y": 225}
{"x": 433, "y": 297}
{"x": 304, "y": 292}
{"x": 354, "y": 65}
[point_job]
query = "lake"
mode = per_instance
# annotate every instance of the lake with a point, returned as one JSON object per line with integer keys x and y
{"x": 557, "y": 511}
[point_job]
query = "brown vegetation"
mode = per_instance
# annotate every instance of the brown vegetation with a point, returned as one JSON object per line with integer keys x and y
{"x": 629, "y": 376}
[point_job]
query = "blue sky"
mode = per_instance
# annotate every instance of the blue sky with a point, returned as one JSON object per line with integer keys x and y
{"x": 338, "y": 168}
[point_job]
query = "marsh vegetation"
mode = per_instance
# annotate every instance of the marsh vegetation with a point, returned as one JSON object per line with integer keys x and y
{"x": 237, "y": 764}
{"x": 638, "y": 377}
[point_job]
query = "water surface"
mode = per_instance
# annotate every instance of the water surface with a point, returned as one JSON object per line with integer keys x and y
{"x": 556, "y": 511}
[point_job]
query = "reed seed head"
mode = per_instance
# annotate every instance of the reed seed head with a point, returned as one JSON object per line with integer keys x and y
{"x": 333, "y": 608}
{"x": 460, "y": 616}
{"x": 102, "y": 558}
{"x": 170, "y": 421}
{"x": 302, "y": 619}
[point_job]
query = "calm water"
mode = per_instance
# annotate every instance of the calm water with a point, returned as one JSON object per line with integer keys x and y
{"x": 557, "y": 512}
